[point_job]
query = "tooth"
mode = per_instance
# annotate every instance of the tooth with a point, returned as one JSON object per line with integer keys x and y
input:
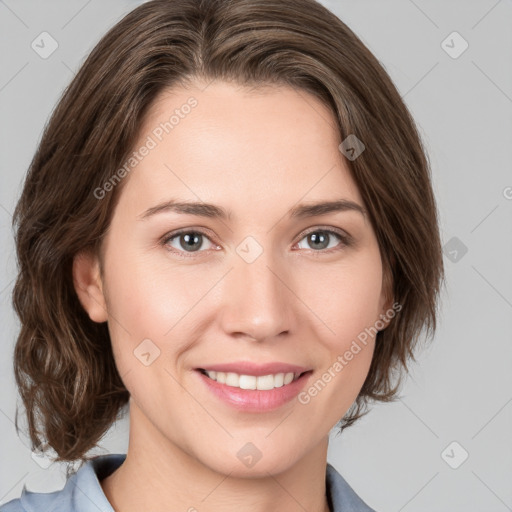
{"x": 279, "y": 380}
{"x": 265, "y": 382}
{"x": 221, "y": 377}
{"x": 247, "y": 382}
{"x": 232, "y": 379}
{"x": 288, "y": 378}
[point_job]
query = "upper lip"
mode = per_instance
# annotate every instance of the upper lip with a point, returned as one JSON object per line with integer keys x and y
{"x": 250, "y": 368}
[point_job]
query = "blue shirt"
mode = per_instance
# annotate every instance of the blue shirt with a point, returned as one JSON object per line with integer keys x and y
{"x": 83, "y": 493}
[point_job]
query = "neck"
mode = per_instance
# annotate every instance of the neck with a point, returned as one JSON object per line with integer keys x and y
{"x": 158, "y": 475}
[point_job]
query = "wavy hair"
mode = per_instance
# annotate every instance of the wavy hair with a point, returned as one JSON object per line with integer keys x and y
{"x": 63, "y": 362}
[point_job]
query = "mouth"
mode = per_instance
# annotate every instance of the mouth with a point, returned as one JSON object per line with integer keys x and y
{"x": 254, "y": 382}
{"x": 261, "y": 393}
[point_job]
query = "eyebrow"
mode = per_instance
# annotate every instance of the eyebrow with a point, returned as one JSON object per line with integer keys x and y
{"x": 213, "y": 211}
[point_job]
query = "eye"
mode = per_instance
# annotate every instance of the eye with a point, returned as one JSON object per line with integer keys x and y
{"x": 186, "y": 241}
{"x": 321, "y": 239}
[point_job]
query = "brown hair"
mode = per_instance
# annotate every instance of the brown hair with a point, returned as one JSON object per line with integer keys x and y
{"x": 63, "y": 361}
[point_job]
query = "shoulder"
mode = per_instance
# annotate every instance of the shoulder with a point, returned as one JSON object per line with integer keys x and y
{"x": 81, "y": 491}
{"x": 43, "y": 501}
{"x": 341, "y": 495}
{"x": 38, "y": 501}
{"x": 12, "y": 506}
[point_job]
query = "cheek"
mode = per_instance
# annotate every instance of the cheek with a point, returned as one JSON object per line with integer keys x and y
{"x": 346, "y": 297}
{"x": 149, "y": 300}
{"x": 349, "y": 306}
{"x": 145, "y": 297}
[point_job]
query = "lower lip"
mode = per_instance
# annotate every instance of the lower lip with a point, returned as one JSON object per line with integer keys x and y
{"x": 255, "y": 400}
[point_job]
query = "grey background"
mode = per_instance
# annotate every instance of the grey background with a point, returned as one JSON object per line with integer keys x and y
{"x": 461, "y": 388}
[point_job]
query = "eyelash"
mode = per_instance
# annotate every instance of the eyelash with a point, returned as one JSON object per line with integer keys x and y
{"x": 346, "y": 241}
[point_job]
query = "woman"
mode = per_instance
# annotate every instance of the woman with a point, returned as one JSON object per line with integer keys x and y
{"x": 229, "y": 226}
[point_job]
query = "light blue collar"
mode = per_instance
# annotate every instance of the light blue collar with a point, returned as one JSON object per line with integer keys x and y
{"x": 83, "y": 491}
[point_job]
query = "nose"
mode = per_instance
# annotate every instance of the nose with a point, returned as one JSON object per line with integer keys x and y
{"x": 257, "y": 301}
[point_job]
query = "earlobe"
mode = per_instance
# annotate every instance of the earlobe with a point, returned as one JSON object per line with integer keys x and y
{"x": 88, "y": 285}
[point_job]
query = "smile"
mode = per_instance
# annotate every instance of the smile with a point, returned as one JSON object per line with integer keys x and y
{"x": 262, "y": 382}
{"x": 251, "y": 393}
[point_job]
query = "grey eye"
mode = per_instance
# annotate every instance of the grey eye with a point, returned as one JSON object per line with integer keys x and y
{"x": 320, "y": 239}
{"x": 189, "y": 241}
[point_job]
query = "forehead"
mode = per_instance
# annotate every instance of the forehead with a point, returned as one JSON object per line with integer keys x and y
{"x": 224, "y": 142}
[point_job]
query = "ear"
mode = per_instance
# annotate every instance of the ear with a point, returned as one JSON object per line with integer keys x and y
{"x": 386, "y": 300}
{"x": 88, "y": 285}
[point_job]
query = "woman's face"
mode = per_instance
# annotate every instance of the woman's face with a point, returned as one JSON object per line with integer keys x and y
{"x": 263, "y": 284}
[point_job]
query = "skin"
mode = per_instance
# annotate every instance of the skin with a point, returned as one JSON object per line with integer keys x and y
{"x": 258, "y": 153}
